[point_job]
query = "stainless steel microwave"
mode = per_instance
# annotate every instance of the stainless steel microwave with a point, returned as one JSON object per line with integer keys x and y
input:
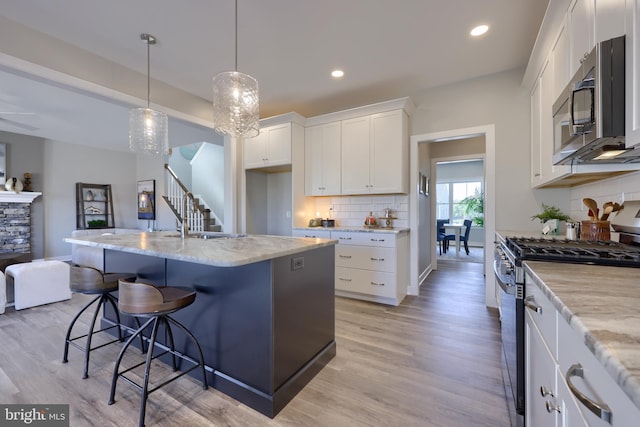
{"x": 588, "y": 117}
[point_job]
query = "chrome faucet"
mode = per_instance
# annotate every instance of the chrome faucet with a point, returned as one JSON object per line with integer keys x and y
{"x": 184, "y": 230}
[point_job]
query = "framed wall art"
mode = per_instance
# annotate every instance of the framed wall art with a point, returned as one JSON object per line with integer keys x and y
{"x": 147, "y": 199}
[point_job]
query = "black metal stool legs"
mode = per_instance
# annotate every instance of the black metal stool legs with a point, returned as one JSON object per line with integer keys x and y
{"x": 144, "y": 387}
{"x": 100, "y": 300}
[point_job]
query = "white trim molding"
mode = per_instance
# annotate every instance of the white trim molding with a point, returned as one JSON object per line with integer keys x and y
{"x": 21, "y": 197}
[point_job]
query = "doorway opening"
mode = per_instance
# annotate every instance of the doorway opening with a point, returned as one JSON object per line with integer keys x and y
{"x": 423, "y": 257}
{"x": 459, "y": 209}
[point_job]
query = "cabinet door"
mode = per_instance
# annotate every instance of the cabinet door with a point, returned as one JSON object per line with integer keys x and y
{"x": 355, "y": 155}
{"x": 536, "y": 171}
{"x": 570, "y": 415}
{"x": 322, "y": 160}
{"x": 255, "y": 151}
{"x": 278, "y": 144}
{"x": 550, "y": 172}
{"x": 540, "y": 371}
{"x": 632, "y": 119}
{"x": 609, "y": 19}
{"x": 560, "y": 54}
{"x": 388, "y": 153}
{"x": 581, "y": 24}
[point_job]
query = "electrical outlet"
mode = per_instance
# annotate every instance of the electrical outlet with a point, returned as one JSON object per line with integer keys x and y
{"x": 297, "y": 263}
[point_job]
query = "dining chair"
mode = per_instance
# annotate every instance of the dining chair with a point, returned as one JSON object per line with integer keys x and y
{"x": 440, "y": 233}
{"x": 463, "y": 237}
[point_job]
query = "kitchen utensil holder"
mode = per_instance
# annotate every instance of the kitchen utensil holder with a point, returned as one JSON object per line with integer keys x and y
{"x": 595, "y": 230}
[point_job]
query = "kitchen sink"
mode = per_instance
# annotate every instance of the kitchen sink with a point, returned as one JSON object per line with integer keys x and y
{"x": 210, "y": 235}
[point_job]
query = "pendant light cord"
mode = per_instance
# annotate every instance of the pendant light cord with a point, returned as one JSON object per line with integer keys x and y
{"x": 148, "y": 73}
{"x": 236, "y": 37}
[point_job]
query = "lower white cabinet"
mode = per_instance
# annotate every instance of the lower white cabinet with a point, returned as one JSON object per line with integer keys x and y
{"x": 370, "y": 266}
{"x": 566, "y": 386}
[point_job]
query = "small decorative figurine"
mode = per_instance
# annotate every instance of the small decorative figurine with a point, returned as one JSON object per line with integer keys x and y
{"x": 27, "y": 181}
{"x": 13, "y": 184}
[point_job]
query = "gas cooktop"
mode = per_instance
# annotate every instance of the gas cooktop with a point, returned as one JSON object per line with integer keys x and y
{"x": 574, "y": 251}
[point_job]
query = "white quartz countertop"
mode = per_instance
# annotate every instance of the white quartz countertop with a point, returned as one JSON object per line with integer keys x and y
{"x": 391, "y": 230}
{"x": 600, "y": 304}
{"x": 220, "y": 252}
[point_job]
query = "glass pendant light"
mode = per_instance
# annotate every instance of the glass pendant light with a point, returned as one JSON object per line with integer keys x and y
{"x": 236, "y": 109}
{"x": 148, "y": 129}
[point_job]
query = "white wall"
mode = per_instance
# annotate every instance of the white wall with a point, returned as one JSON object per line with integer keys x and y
{"x": 207, "y": 177}
{"x": 64, "y": 165}
{"x": 496, "y": 99}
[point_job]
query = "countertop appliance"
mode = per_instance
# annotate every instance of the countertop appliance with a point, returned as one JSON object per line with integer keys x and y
{"x": 589, "y": 115}
{"x": 509, "y": 256}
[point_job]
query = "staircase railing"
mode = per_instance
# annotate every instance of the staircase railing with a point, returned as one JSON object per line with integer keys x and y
{"x": 198, "y": 217}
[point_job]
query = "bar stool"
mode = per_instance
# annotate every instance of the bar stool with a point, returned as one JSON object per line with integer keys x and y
{"x": 156, "y": 303}
{"x": 90, "y": 281}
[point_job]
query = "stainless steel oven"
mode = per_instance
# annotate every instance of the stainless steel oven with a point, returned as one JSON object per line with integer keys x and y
{"x": 512, "y": 329}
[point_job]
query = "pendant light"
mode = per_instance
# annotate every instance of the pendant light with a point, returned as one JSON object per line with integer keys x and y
{"x": 235, "y": 100}
{"x": 148, "y": 129}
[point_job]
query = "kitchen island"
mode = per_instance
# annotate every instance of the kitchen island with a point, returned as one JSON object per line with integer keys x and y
{"x": 264, "y": 312}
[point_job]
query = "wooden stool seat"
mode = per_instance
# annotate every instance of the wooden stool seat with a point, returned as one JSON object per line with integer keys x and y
{"x": 146, "y": 300}
{"x": 90, "y": 281}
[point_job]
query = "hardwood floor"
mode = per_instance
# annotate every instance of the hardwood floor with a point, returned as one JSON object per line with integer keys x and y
{"x": 432, "y": 361}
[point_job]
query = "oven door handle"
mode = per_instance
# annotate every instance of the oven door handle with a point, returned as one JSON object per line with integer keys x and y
{"x": 506, "y": 287}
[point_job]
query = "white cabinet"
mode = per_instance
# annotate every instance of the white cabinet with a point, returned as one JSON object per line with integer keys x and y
{"x": 375, "y": 152}
{"x": 632, "y": 118}
{"x": 592, "y": 380}
{"x": 581, "y": 25}
{"x": 540, "y": 379}
{"x": 272, "y": 147}
{"x": 560, "y": 368}
{"x": 322, "y": 159}
{"x": 536, "y": 165}
{"x": 317, "y": 233}
{"x": 372, "y": 266}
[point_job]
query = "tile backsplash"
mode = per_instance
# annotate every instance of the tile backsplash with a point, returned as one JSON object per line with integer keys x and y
{"x": 617, "y": 189}
{"x": 350, "y": 211}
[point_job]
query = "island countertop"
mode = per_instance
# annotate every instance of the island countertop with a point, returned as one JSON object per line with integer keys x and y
{"x": 601, "y": 304}
{"x": 219, "y": 252}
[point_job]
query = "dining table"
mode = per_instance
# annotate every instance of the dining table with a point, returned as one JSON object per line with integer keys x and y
{"x": 456, "y": 229}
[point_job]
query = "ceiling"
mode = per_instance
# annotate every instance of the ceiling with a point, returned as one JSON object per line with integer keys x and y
{"x": 71, "y": 69}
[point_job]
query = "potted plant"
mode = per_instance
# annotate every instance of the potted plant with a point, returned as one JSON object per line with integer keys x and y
{"x": 550, "y": 217}
{"x": 474, "y": 208}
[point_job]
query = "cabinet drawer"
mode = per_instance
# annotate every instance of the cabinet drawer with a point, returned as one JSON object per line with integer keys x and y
{"x": 319, "y": 234}
{"x": 365, "y": 239}
{"x": 596, "y": 383}
{"x": 543, "y": 314}
{"x": 366, "y": 282}
{"x": 366, "y": 258}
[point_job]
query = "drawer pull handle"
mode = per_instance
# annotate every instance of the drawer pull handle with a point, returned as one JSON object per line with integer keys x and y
{"x": 377, "y": 259}
{"x": 344, "y": 238}
{"x": 345, "y": 256}
{"x": 601, "y": 410}
{"x": 377, "y": 284}
{"x": 529, "y": 302}
{"x": 551, "y": 407}
{"x": 343, "y": 279}
{"x": 377, "y": 240}
{"x": 306, "y": 235}
{"x": 546, "y": 392}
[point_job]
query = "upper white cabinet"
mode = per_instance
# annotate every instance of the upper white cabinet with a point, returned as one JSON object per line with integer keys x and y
{"x": 570, "y": 30}
{"x": 375, "y": 153}
{"x": 322, "y": 151}
{"x": 632, "y": 118}
{"x": 271, "y": 148}
{"x": 581, "y": 26}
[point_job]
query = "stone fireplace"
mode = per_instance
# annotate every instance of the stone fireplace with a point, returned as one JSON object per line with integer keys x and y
{"x": 15, "y": 227}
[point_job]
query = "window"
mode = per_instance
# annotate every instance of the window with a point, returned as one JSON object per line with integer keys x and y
{"x": 449, "y": 194}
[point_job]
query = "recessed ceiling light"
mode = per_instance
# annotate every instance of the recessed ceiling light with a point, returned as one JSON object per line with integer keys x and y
{"x": 479, "y": 30}
{"x": 337, "y": 73}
